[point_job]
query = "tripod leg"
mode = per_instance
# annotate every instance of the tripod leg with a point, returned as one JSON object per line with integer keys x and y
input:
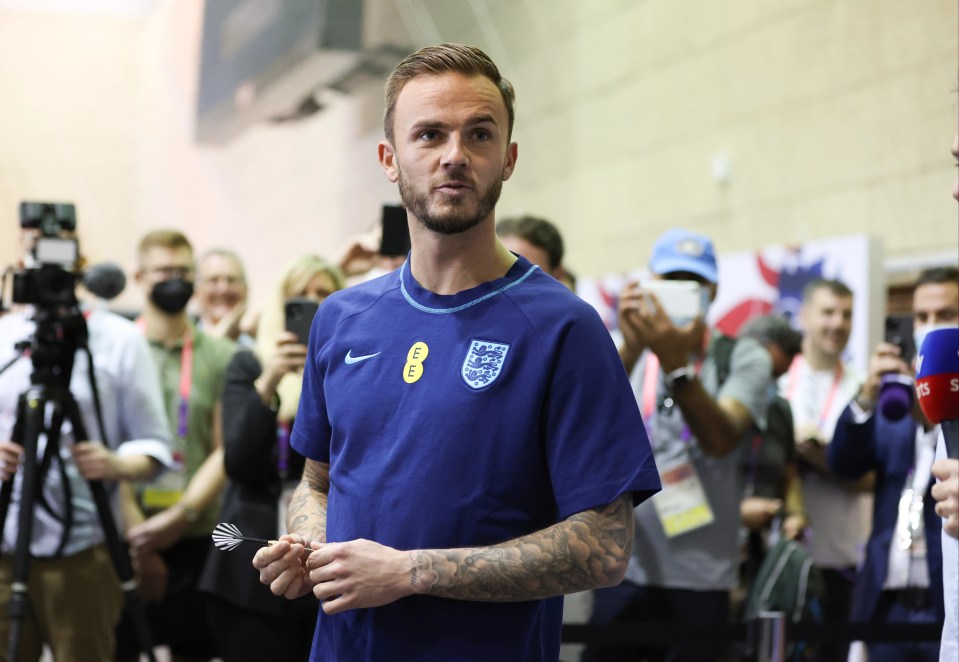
{"x": 32, "y": 407}
{"x": 118, "y": 553}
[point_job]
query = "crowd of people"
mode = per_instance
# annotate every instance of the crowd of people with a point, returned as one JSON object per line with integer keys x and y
{"x": 460, "y": 442}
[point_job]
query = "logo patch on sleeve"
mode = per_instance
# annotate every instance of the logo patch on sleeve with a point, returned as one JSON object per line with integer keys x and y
{"x": 483, "y": 363}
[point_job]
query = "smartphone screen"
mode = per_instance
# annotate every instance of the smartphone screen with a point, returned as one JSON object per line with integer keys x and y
{"x": 395, "y": 237}
{"x": 299, "y": 314}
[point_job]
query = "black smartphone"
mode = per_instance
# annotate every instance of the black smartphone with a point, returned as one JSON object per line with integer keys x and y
{"x": 395, "y": 235}
{"x": 899, "y": 333}
{"x": 299, "y": 313}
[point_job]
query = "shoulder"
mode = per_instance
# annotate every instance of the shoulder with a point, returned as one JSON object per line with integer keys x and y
{"x": 358, "y": 298}
{"x": 218, "y": 350}
{"x": 244, "y": 362}
{"x": 546, "y": 301}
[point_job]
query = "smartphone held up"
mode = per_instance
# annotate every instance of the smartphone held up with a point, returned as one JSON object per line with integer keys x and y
{"x": 299, "y": 313}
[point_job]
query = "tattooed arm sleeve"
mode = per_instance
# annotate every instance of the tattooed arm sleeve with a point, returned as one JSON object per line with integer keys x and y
{"x": 307, "y": 512}
{"x": 590, "y": 549}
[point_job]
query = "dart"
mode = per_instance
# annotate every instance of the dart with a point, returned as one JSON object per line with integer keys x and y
{"x": 227, "y": 537}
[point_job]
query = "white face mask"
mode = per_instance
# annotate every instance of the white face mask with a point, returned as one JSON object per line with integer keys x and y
{"x": 919, "y": 334}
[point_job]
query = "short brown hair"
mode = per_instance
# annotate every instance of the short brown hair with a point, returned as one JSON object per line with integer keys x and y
{"x": 836, "y": 287}
{"x": 172, "y": 239}
{"x": 445, "y": 58}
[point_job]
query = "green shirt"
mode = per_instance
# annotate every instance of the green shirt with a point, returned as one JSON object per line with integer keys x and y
{"x": 210, "y": 358}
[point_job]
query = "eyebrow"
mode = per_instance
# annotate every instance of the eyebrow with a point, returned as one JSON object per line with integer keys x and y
{"x": 434, "y": 124}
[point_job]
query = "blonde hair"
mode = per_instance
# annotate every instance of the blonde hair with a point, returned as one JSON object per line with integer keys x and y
{"x": 293, "y": 282}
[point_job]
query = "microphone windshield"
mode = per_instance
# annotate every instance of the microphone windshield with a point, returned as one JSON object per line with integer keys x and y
{"x": 105, "y": 280}
{"x": 937, "y": 375}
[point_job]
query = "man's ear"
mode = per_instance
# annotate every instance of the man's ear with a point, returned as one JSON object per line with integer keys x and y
{"x": 512, "y": 152}
{"x": 387, "y": 159}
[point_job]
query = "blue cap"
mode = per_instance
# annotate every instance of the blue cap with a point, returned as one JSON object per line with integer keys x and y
{"x": 682, "y": 250}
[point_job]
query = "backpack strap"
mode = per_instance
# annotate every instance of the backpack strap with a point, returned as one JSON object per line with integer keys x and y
{"x": 721, "y": 349}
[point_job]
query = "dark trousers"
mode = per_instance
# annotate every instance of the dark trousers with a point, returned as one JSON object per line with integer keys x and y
{"x": 245, "y": 636}
{"x": 890, "y": 610}
{"x": 838, "y": 605}
{"x": 629, "y": 603}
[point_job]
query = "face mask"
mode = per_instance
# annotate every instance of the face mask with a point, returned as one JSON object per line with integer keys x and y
{"x": 919, "y": 334}
{"x": 171, "y": 296}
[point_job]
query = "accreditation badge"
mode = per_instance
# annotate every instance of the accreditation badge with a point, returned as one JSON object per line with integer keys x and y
{"x": 165, "y": 491}
{"x": 681, "y": 505}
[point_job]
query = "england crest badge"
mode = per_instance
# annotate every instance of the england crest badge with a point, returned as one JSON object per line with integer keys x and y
{"x": 484, "y": 362}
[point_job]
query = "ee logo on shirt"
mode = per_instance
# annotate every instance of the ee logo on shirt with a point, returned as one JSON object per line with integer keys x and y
{"x": 413, "y": 369}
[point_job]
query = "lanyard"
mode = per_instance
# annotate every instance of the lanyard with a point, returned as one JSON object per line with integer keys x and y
{"x": 283, "y": 448}
{"x": 830, "y": 397}
{"x": 186, "y": 378}
{"x": 651, "y": 390}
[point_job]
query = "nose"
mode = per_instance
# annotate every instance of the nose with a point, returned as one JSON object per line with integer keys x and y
{"x": 455, "y": 155}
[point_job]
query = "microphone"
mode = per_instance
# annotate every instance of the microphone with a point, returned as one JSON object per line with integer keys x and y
{"x": 937, "y": 383}
{"x": 895, "y": 396}
{"x": 105, "y": 280}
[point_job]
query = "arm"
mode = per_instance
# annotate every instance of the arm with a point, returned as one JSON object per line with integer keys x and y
{"x": 717, "y": 424}
{"x": 168, "y": 526}
{"x": 590, "y": 549}
{"x": 249, "y": 425}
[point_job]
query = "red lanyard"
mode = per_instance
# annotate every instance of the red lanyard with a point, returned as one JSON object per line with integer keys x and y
{"x": 827, "y": 405}
{"x": 186, "y": 378}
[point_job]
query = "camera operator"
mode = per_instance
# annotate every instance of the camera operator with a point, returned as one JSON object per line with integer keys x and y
{"x": 63, "y": 570}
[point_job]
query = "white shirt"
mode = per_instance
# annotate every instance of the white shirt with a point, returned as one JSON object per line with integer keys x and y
{"x": 908, "y": 567}
{"x": 840, "y": 520}
{"x": 133, "y": 416}
{"x": 949, "y": 650}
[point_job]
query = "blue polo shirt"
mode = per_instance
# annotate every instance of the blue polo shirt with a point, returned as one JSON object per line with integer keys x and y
{"x": 463, "y": 420}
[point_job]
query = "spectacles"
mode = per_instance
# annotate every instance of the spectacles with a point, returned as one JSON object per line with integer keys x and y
{"x": 171, "y": 272}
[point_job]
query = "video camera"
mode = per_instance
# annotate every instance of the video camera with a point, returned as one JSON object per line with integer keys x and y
{"x": 49, "y": 276}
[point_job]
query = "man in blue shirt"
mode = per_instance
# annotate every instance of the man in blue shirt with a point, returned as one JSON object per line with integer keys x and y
{"x": 474, "y": 450}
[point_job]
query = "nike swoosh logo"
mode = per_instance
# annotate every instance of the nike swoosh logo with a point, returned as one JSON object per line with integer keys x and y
{"x": 350, "y": 360}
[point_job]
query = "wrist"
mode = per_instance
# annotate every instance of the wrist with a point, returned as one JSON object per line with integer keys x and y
{"x": 866, "y": 399}
{"x": 189, "y": 513}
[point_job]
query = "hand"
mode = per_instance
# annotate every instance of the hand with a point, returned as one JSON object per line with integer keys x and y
{"x": 646, "y": 324}
{"x": 289, "y": 357}
{"x": 794, "y": 526}
{"x": 758, "y": 512}
{"x": 886, "y": 359}
{"x": 10, "y": 453}
{"x": 159, "y": 531}
{"x": 813, "y": 452}
{"x": 95, "y": 461}
{"x": 282, "y": 566}
{"x": 946, "y": 493}
{"x": 229, "y": 325}
{"x": 358, "y": 574}
{"x": 152, "y": 575}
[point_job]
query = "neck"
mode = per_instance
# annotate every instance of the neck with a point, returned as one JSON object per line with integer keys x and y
{"x": 162, "y": 327}
{"x": 817, "y": 359}
{"x": 447, "y": 264}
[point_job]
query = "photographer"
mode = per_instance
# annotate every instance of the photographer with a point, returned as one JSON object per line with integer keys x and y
{"x": 62, "y": 569}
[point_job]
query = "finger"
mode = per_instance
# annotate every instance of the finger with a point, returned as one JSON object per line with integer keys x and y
{"x": 335, "y": 605}
{"x": 329, "y": 589}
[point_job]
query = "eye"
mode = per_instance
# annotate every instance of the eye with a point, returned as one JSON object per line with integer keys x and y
{"x": 429, "y": 135}
{"x": 482, "y": 135}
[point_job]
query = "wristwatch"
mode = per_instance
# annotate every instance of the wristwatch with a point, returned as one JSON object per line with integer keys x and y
{"x": 679, "y": 377}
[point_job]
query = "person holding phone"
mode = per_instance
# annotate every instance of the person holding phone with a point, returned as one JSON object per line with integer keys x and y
{"x": 700, "y": 411}
{"x": 260, "y": 401}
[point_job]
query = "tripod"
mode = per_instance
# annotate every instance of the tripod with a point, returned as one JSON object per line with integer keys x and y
{"x": 52, "y": 351}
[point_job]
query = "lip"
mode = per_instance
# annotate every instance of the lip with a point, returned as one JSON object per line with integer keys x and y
{"x": 454, "y": 188}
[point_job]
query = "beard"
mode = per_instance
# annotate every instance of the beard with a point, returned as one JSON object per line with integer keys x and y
{"x": 457, "y": 217}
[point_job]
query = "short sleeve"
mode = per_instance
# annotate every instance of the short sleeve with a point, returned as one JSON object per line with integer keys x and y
{"x": 311, "y": 429}
{"x": 750, "y": 376}
{"x": 596, "y": 440}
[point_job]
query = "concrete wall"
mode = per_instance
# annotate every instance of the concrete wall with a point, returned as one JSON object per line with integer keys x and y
{"x": 830, "y": 117}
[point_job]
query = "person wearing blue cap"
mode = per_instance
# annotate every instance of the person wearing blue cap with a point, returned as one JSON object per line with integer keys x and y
{"x": 697, "y": 408}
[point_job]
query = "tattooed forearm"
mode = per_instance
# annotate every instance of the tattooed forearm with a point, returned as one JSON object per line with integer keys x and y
{"x": 588, "y": 550}
{"x": 306, "y": 514}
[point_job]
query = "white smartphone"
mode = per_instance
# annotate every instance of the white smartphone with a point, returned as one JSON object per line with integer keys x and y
{"x": 681, "y": 299}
